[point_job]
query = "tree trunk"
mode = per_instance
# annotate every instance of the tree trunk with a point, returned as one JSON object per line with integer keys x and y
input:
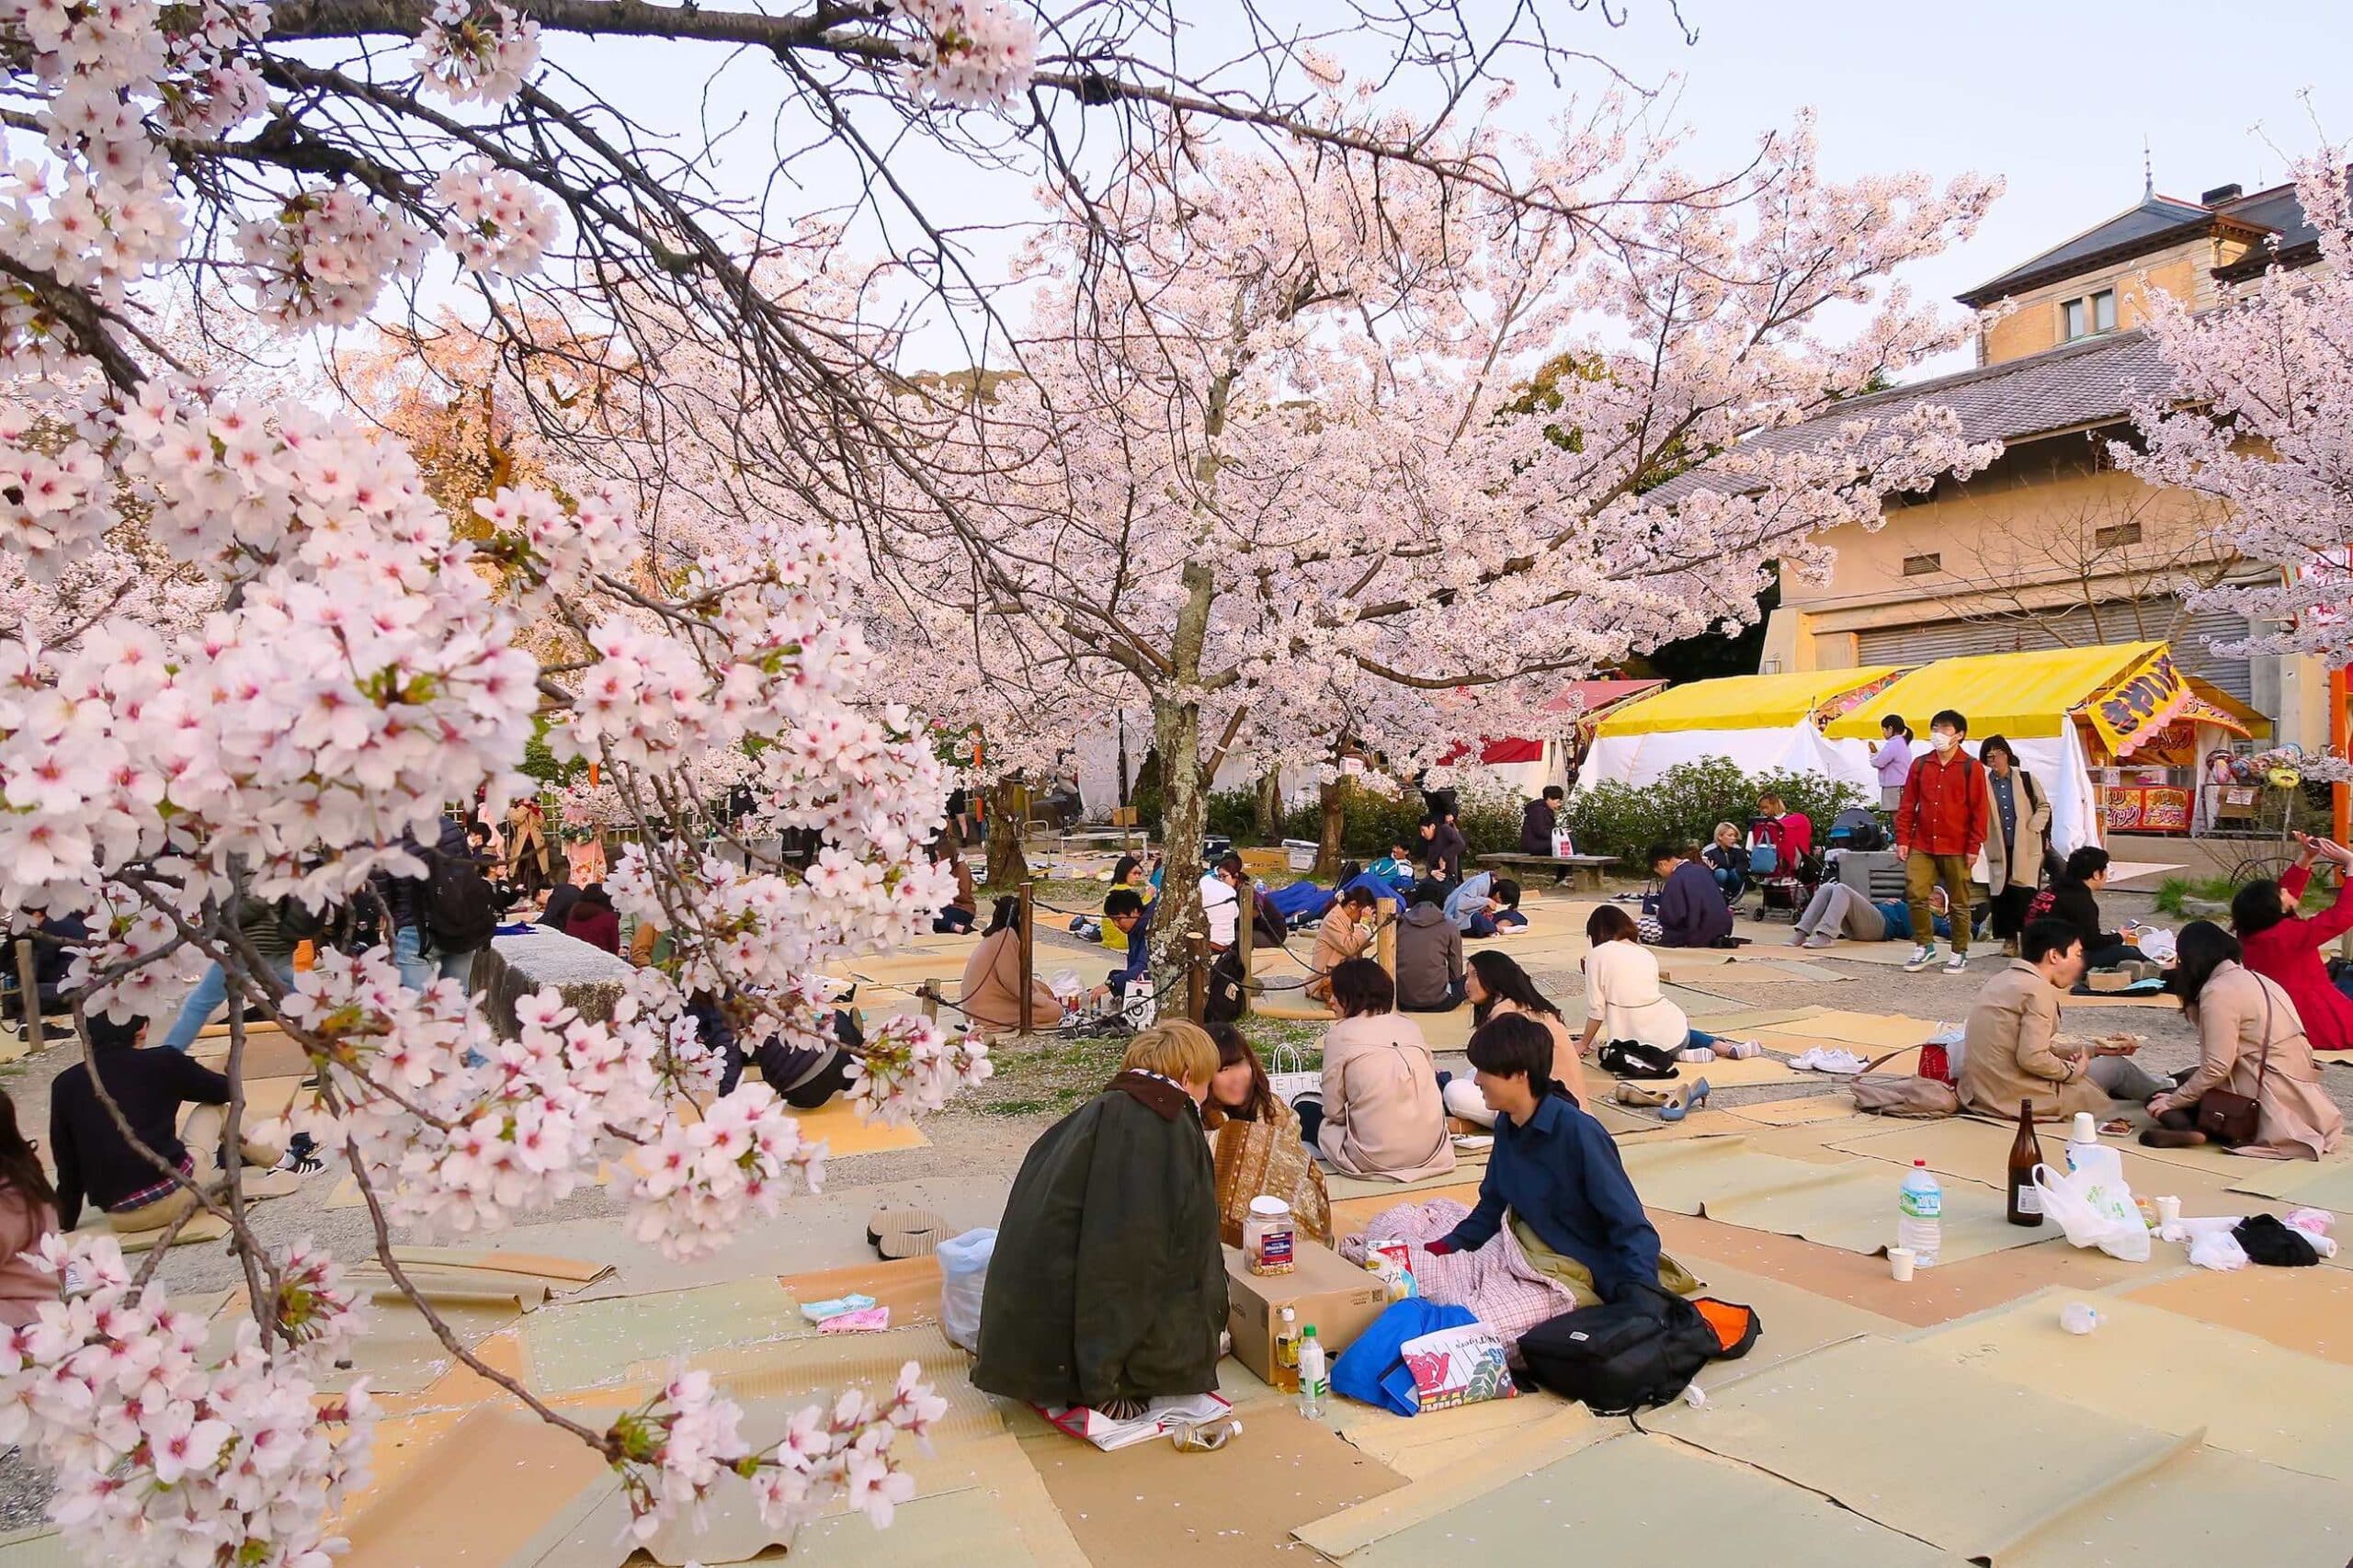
{"x": 1335, "y": 829}
{"x": 1006, "y": 865}
{"x": 1270, "y": 806}
{"x": 1176, "y": 735}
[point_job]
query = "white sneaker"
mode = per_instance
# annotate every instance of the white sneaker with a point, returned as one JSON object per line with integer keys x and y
{"x": 1956, "y": 964}
{"x": 1922, "y": 956}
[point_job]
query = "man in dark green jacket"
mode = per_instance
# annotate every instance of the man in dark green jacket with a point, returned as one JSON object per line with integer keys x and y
{"x": 1107, "y": 1288}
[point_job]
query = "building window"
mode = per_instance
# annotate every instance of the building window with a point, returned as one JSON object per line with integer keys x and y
{"x": 1923, "y": 565}
{"x": 2092, "y": 313}
{"x": 2071, "y": 319}
{"x": 2122, "y": 533}
{"x": 2104, "y": 310}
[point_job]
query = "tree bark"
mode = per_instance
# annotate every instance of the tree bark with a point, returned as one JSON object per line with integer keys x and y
{"x": 1270, "y": 805}
{"x": 1006, "y": 864}
{"x": 1335, "y": 829}
{"x": 1176, "y": 735}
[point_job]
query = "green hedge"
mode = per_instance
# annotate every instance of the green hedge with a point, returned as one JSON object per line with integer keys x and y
{"x": 1683, "y": 806}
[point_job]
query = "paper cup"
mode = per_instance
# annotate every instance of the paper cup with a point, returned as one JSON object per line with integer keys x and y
{"x": 2169, "y": 1210}
{"x": 1900, "y": 1263}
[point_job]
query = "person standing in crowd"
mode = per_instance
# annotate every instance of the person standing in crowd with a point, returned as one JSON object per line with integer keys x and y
{"x": 1442, "y": 847}
{"x": 1891, "y": 759}
{"x": 2073, "y": 900}
{"x": 1379, "y": 1114}
{"x": 1941, "y": 824}
{"x": 1346, "y": 933}
{"x": 2018, "y": 827}
{"x": 2251, "y": 1043}
{"x": 2014, "y": 1051}
{"x": 527, "y": 846}
{"x": 2284, "y": 946}
{"x": 1691, "y": 911}
{"x": 28, "y": 1212}
{"x": 1430, "y": 955}
{"x": 267, "y": 928}
{"x": 1539, "y": 820}
{"x": 444, "y": 917}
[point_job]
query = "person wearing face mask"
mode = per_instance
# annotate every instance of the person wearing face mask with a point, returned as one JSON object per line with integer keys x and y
{"x": 1941, "y": 824}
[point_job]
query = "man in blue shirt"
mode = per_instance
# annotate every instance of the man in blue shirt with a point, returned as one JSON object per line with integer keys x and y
{"x": 1125, "y": 910}
{"x": 1553, "y": 1167}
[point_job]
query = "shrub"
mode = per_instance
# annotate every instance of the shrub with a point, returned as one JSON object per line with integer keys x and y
{"x": 1684, "y": 804}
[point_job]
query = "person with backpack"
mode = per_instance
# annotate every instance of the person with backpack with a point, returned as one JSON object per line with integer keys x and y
{"x": 443, "y": 918}
{"x": 1555, "y": 1173}
{"x": 1940, "y": 827}
{"x": 273, "y": 930}
{"x": 2020, "y": 822}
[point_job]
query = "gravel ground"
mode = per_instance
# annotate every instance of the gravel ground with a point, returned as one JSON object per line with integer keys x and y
{"x": 982, "y": 1141}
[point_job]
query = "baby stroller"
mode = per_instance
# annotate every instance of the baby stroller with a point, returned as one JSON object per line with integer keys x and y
{"x": 1784, "y": 882}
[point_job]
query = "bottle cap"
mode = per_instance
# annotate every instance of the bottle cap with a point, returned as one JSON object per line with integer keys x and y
{"x": 1268, "y": 1207}
{"x": 1309, "y": 1331}
{"x": 1919, "y": 1165}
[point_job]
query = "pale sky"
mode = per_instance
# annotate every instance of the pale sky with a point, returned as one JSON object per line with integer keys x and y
{"x": 2055, "y": 96}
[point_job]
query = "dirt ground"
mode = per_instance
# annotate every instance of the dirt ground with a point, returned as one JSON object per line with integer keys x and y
{"x": 976, "y": 1147}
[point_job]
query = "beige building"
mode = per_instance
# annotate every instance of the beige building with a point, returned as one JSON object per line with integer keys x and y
{"x": 2050, "y": 547}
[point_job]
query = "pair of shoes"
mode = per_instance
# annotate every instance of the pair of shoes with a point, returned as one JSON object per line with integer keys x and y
{"x": 1822, "y": 941}
{"x": 1922, "y": 956}
{"x": 1739, "y": 1050}
{"x": 1693, "y": 1098}
{"x": 1697, "y": 1055}
{"x": 1637, "y": 1096}
{"x": 1956, "y": 964}
{"x": 1824, "y": 1059}
{"x": 1798, "y": 939}
{"x": 304, "y": 1163}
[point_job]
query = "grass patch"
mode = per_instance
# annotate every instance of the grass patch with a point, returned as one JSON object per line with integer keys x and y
{"x": 1048, "y": 1074}
{"x": 2174, "y": 893}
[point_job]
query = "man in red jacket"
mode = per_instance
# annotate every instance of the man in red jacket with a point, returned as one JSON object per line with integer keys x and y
{"x": 1940, "y": 827}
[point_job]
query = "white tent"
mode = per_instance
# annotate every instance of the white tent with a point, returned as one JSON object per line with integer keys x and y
{"x": 1797, "y": 747}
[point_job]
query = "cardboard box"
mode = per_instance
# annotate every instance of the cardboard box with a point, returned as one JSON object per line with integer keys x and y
{"x": 1339, "y": 1297}
{"x": 1123, "y": 816}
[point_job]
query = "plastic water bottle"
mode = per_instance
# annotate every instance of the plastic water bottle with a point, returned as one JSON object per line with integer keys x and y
{"x": 1315, "y": 1382}
{"x": 1921, "y": 1206}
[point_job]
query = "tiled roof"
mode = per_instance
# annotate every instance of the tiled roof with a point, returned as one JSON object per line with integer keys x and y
{"x": 2147, "y": 224}
{"x": 2063, "y": 389}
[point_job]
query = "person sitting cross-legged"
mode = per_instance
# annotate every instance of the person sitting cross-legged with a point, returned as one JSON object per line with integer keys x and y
{"x": 1556, "y": 1176}
{"x": 2013, "y": 1049}
{"x": 1378, "y": 1113}
{"x": 1107, "y": 1288}
{"x": 1430, "y": 955}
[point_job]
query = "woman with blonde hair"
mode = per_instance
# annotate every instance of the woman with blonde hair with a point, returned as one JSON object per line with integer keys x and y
{"x": 1107, "y": 1288}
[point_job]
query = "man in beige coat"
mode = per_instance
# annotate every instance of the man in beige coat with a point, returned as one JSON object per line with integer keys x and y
{"x": 1347, "y": 932}
{"x": 2013, "y": 1052}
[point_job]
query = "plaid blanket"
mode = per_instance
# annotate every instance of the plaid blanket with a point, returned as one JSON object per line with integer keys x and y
{"x": 1497, "y": 1283}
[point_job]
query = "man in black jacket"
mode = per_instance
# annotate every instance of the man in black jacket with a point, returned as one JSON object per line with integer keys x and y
{"x": 2072, "y": 900}
{"x": 1539, "y": 820}
{"x": 1442, "y": 849}
{"x": 95, "y": 1162}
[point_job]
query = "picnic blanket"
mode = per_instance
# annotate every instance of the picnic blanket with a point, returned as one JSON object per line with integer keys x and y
{"x": 1496, "y": 1282}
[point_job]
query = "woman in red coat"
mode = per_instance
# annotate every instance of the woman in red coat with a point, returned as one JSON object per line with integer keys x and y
{"x": 2285, "y": 946}
{"x": 592, "y": 920}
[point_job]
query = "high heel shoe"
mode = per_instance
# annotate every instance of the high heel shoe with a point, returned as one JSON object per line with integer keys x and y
{"x": 1635, "y": 1094}
{"x": 1678, "y": 1109}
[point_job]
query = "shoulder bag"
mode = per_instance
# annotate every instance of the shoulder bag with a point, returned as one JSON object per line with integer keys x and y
{"x": 2230, "y": 1118}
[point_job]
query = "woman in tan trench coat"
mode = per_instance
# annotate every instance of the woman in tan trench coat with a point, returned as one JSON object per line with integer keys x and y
{"x": 2250, "y": 1042}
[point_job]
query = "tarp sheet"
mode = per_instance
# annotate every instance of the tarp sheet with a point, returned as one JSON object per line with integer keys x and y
{"x": 1792, "y": 746}
{"x": 2014, "y": 695}
{"x": 1743, "y": 702}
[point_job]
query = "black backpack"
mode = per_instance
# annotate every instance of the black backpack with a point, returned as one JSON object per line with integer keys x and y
{"x": 1632, "y": 1059}
{"x": 1628, "y": 1355}
{"x": 1857, "y": 827}
{"x": 461, "y": 907}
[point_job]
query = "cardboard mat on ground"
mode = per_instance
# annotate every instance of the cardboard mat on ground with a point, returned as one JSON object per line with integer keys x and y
{"x": 1640, "y": 1500}
{"x": 2328, "y": 1184}
{"x": 1434, "y": 1442}
{"x": 1849, "y": 1204}
{"x": 2307, "y": 1309}
{"x": 2169, "y": 1373}
{"x": 1471, "y": 1474}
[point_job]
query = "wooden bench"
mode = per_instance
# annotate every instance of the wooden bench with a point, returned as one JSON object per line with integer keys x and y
{"x": 1581, "y": 870}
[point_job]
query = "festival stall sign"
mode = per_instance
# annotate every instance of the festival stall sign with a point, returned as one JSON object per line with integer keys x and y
{"x": 2139, "y": 703}
{"x": 2022, "y": 695}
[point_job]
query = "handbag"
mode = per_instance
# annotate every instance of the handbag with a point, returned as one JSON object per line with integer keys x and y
{"x": 2232, "y": 1119}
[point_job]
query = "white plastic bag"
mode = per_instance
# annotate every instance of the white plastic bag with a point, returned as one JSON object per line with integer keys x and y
{"x": 2095, "y": 1206}
{"x": 963, "y": 1274}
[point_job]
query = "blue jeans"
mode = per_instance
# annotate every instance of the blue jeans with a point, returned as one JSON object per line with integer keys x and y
{"x": 418, "y": 971}
{"x": 1698, "y": 1038}
{"x": 211, "y": 994}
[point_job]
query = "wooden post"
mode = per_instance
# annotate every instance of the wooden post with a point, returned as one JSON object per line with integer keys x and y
{"x": 29, "y": 994}
{"x": 929, "y": 992}
{"x": 1385, "y": 944}
{"x": 1245, "y": 911}
{"x": 1197, "y": 977}
{"x": 1028, "y": 958}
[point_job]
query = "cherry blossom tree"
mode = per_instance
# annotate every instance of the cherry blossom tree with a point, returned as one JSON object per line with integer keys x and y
{"x": 2260, "y": 417}
{"x": 1262, "y": 461}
